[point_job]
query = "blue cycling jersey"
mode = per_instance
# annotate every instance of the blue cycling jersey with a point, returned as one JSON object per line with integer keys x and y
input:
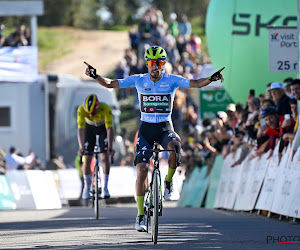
{"x": 155, "y": 99}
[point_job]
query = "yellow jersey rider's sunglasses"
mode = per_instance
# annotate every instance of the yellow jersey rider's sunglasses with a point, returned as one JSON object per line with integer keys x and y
{"x": 158, "y": 63}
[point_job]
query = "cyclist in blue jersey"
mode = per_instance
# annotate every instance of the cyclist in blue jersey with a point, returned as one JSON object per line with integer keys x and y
{"x": 156, "y": 91}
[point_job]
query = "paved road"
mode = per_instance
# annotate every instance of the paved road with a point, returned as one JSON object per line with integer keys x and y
{"x": 180, "y": 228}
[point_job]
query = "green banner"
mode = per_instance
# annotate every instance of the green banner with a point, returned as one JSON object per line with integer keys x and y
{"x": 200, "y": 188}
{"x": 7, "y": 200}
{"x": 214, "y": 178}
{"x": 212, "y": 101}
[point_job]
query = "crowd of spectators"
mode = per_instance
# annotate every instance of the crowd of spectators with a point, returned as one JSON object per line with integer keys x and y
{"x": 260, "y": 124}
{"x": 20, "y": 37}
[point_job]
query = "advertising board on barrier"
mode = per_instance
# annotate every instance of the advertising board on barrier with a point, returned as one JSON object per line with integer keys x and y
{"x": 220, "y": 196}
{"x": 43, "y": 189}
{"x": 256, "y": 180}
{"x": 294, "y": 210}
{"x": 6, "y": 196}
{"x": 69, "y": 184}
{"x": 200, "y": 187}
{"x": 268, "y": 189}
{"x": 19, "y": 64}
{"x": 241, "y": 202}
{"x": 21, "y": 189}
{"x": 214, "y": 178}
{"x": 233, "y": 181}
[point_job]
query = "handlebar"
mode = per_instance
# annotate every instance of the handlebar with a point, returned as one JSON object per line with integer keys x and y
{"x": 95, "y": 152}
{"x": 157, "y": 150}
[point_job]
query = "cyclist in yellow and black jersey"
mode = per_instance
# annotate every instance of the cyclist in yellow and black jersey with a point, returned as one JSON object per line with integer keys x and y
{"x": 94, "y": 118}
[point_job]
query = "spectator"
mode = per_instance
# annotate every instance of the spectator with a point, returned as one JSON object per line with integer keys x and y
{"x": 56, "y": 162}
{"x": 280, "y": 98}
{"x": 130, "y": 58}
{"x": 27, "y": 35}
{"x": 2, "y": 162}
{"x": 195, "y": 44}
{"x": 267, "y": 102}
{"x": 238, "y": 142}
{"x": 295, "y": 88}
{"x": 18, "y": 37}
{"x": 173, "y": 26}
{"x": 2, "y": 38}
{"x": 268, "y": 139}
{"x": 184, "y": 27}
{"x": 181, "y": 44}
{"x": 145, "y": 35}
{"x": 174, "y": 56}
{"x": 231, "y": 112}
{"x": 15, "y": 161}
{"x": 134, "y": 36}
{"x": 122, "y": 71}
{"x": 287, "y": 128}
{"x": 287, "y": 86}
{"x": 269, "y": 96}
{"x": 179, "y": 108}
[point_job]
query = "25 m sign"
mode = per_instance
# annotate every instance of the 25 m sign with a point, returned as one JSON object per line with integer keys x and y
{"x": 283, "y": 49}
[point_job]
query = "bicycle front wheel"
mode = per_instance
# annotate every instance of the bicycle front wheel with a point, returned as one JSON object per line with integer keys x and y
{"x": 96, "y": 193}
{"x": 156, "y": 202}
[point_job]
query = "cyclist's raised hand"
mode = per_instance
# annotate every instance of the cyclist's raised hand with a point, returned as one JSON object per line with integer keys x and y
{"x": 217, "y": 76}
{"x": 90, "y": 71}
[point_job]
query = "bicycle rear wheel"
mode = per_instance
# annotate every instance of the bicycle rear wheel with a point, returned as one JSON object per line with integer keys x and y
{"x": 96, "y": 193}
{"x": 156, "y": 202}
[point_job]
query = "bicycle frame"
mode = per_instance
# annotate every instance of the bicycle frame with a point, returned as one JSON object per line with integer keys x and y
{"x": 154, "y": 202}
{"x": 96, "y": 179}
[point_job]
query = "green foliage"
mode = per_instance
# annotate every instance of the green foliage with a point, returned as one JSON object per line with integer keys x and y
{"x": 192, "y": 8}
{"x": 117, "y": 28}
{"x": 76, "y": 13}
{"x": 122, "y": 10}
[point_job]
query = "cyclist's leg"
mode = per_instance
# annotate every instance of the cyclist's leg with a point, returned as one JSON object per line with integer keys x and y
{"x": 172, "y": 161}
{"x": 170, "y": 140}
{"x": 87, "y": 158}
{"x": 142, "y": 172}
{"x": 104, "y": 158}
{"x": 141, "y": 161}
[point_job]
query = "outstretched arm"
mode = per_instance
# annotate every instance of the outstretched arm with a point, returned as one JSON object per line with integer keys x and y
{"x": 202, "y": 82}
{"x": 105, "y": 82}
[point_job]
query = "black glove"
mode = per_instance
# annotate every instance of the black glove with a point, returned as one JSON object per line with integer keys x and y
{"x": 215, "y": 76}
{"x": 92, "y": 72}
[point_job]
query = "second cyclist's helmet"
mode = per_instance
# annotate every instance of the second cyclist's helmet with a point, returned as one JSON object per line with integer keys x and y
{"x": 155, "y": 53}
{"x": 91, "y": 104}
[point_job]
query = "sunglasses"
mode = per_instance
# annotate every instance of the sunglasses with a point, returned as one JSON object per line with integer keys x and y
{"x": 158, "y": 63}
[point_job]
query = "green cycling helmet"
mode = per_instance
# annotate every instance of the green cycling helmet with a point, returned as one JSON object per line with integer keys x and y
{"x": 155, "y": 53}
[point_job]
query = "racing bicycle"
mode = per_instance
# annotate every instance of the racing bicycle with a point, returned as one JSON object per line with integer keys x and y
{"x": 96, "y": 180}
{"x": 154, "y": 202}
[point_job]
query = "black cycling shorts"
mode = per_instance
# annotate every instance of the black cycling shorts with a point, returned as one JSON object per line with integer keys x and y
{"x": 90, "y": 138}
{"x": 163, "y": 133}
